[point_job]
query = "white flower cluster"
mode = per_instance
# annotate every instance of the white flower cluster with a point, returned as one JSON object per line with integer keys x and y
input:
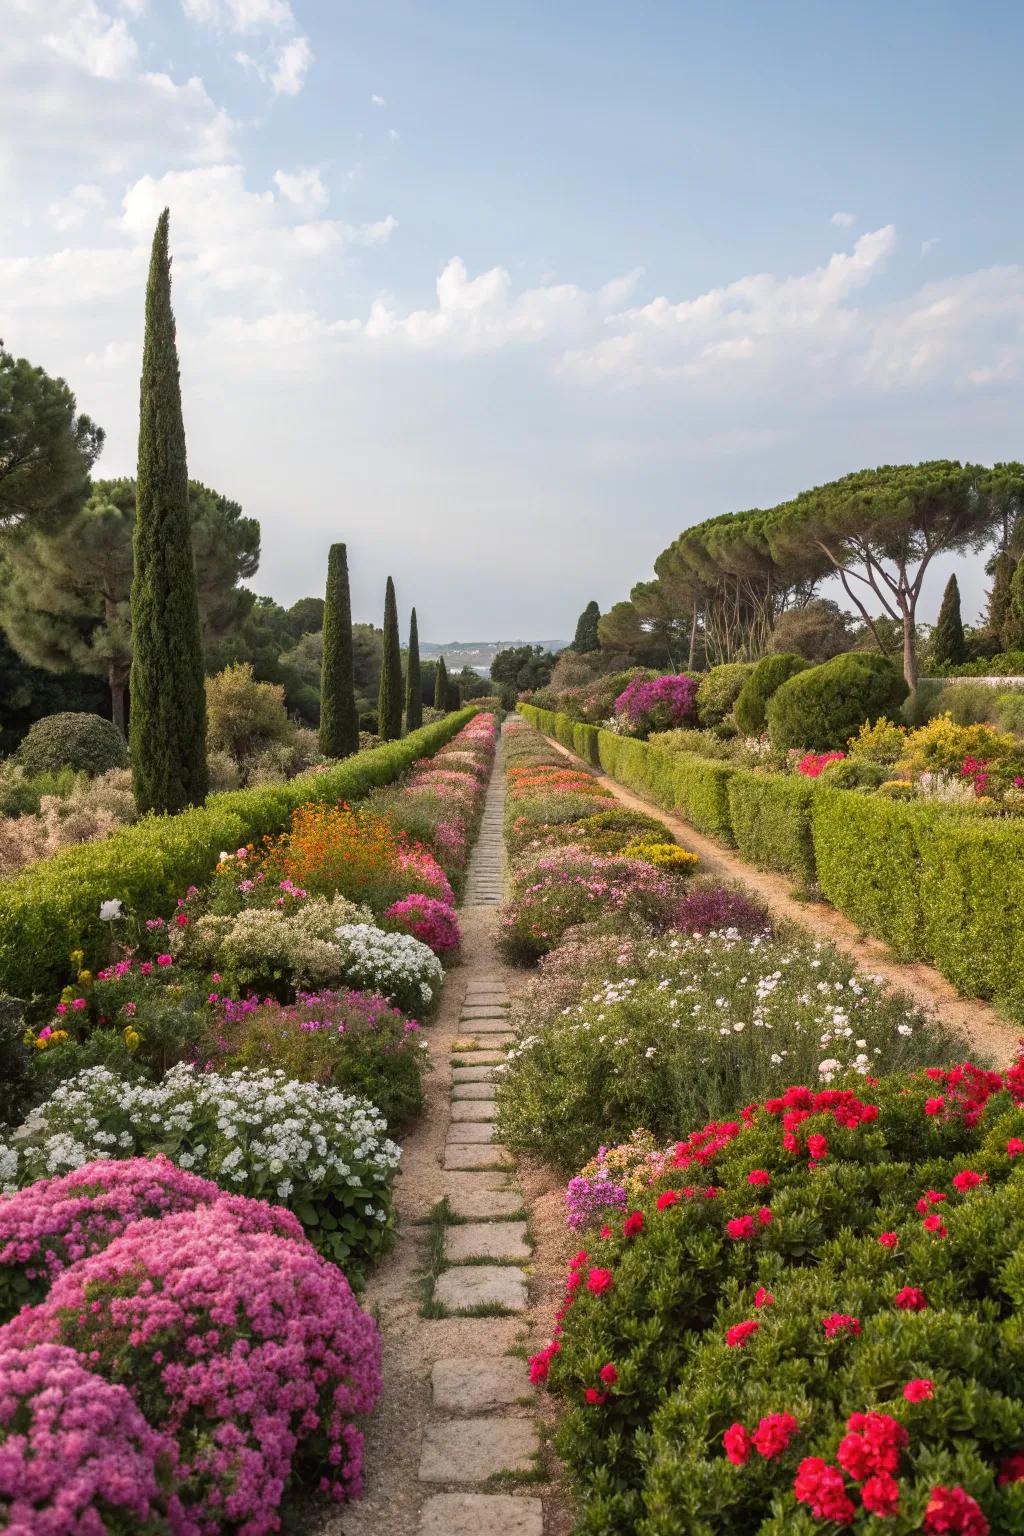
{"x": 260, "y": 1133}
{"x": 393, "y": 963}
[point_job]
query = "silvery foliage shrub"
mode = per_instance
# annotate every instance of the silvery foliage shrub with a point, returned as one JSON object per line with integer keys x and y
{"x": 262, "y": 945}
{"x": 396, "y": 964}
{"x": 321, "y": 1152}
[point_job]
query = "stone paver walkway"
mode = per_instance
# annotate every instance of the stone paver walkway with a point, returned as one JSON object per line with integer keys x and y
{"x": 482, "y": 1427}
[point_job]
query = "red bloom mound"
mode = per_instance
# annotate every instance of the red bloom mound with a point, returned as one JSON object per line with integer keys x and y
{"x": 244, "y": 1347}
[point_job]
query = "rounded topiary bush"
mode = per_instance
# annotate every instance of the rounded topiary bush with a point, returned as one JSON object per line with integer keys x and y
{"x": 763, "y": 682}
{"x": 87, "y": 743}
{"x": 824, "y": 706}
{"x": 719, "y": 689}
{"x": 854, "y": 773}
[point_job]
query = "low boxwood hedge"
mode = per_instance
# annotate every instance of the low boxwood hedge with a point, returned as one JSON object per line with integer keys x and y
{"x": 53, "y": 906}
{"x": 771, "y": 822}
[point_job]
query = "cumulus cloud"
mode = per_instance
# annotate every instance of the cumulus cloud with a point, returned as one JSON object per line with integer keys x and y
{"x": 377, "y": 101}
{"x": 844, "y": 220}
{"x": 303, "y": 188}
{"x": 290, "y": 67}
{"x": 70, "y": 212}
{"x": 241, "y": 15}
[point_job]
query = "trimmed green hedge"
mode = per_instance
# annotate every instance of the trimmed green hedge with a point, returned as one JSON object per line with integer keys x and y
{"x": 771, "y": 822}
{"x": 935, "y": 884}
{"x": 53, "y": 907}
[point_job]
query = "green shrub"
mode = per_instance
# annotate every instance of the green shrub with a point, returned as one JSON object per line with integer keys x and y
{"x": 1009, "y": 711}
{"x": 767, "y": 676}
{"x": 684, "y": 739}
{"x": 821, "y": 708}
{"x": 84, "y": 743}
{"x": 920, "y": 705}
{"x": 244, "y": 717}
{"x": 698, "y": 788}
{"x": 20, "y": 792}
{"x": 853, "y": 773}
{"x": 1003, "y": 664}
{"x": 866, "y": 855}
{"x": 968, "y": 703}
{"x": 771, "y": 822}
{"x": 53, "y": 906}
{"x": 656, "y": 1300}
{"x": 719, "y": 689}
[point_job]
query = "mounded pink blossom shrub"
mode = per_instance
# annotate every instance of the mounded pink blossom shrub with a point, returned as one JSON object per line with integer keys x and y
{"x": 250, "y": 1350}
{"x": 658, "y": 704}
{"x": 432, "y": 922}
{"x": 77, "y": 1458}
{"x": 419, "y": 867}
{"x": 55, "y": 1222}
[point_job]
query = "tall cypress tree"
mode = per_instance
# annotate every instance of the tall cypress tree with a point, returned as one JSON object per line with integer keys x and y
{"x": 167, "y": 733}
{"x": 339, "y": 718}
{"x": 586, "y": 630}
{"x": 1003, "y": 568}
{"x": 949, "y": 648}
{"x": 441, "y": 685}
{"x": 414, "y": 680}
{"x": 389, "y": 699}
{"x": 1012, "y": 633}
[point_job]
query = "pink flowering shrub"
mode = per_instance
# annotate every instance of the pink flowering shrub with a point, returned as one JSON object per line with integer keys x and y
{"x": 249, "y": 1350}
{"x": 559, "y": 890}
{"x": 432, "y": 922}
{"x": 420, "y": 871}
{"x": 814, "y": 1308}
{"x": 77, "y": 1457}
{"x": 54, "y": 1223}
{"x": 656, "y": 704}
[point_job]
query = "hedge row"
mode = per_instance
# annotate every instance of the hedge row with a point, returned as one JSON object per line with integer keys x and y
{"x": 935, "y": 884}
{"x": 53, "y": 906}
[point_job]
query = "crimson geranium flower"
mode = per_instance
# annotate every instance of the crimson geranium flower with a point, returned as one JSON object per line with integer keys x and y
{"x": 666, "y": 1198}
{"x": 935, "y": 1224}
{"x": 919, "y": 1390}
{"x": 1014, "y": 1147}
{"x": 839, "y": 1322}
{"x": 608, "y": 1374}
{"x": 817, "y": 1146}
{"x": 880, "y": 1494}
{"x": 773, "y": 1434}
{"x": 595, "y": 1398}
{"x": 1011, "y": 1469}
{"x": 739, "y": 1333}
{"x": 910, "y": 1299}
{"x": 888, "y": 1239}
{"x": 934, "y": 1106}
{"x": 737, "y": 1445}
{"x": 822, "y": 1488}
{"x": 633, "y": 1224}
{"x": 763, "y": 1298}
{"x": 952, "y": 1509}
{"x": 759, "y": 1176}
{"x": 740, "y": 1227}
{"x": 599, "y": 1280}
{"x": 968, "y": 1179}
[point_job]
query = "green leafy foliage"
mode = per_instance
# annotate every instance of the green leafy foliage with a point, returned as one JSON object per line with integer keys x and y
{"x": 821, "y": 708}
{"x": 719, "y": 689}
{"x": 770, "y": 815}
{"x": 768, "y": 675}
{"x": 84, "y": 743}
{"x": 46, "y": 447}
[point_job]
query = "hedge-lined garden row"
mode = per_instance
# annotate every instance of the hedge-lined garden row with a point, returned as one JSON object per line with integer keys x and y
{"x": 933, "y": 883}
{"x": 53, "y": 907}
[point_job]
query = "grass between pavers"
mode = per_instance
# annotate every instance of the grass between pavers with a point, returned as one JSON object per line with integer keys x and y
{"x": 441, "y": 1217}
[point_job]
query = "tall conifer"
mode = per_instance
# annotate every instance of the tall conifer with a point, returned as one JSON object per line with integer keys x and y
{"x": 389, "y": 699}
{"x": 414, "y": 680}
{"x": 1003, "y": 568}
{"x": 167, "y": 733}
{"x": 441, "y": 685}
{"x": 339, "y": 718}
{"x": 949, "y": 648}
{"x": 1013, "y": 624}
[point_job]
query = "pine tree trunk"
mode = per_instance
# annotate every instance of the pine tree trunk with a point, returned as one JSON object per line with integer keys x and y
{"x": 116, "y": 699}
{"x": 909, "y": 651}
{"x": 167, "y": 733}
{"x": 339, "y": 718}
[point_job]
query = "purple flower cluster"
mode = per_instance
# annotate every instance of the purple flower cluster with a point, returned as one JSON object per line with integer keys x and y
{"x": 589, "y": 1196}
{"x": 76, "y": 1452}
{"x": 710, "y": 908}
{"x": 246, "y": 1348}
{"x": 660, "y": 704}
{"x": 432, "y": 922}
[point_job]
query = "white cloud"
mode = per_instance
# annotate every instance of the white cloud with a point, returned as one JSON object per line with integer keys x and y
{"x": 394, "y": 135}
{"x": 378, "y": 101}
{"x": 70, "y": 212}
{"x": 83, "y": 34}
{"x": 240, "y": 15}
{"x": 929, "y": 245}
{"x": 843, "y": 220}
{"x": 303, "y": 188}
{"x": 291, "y": 65}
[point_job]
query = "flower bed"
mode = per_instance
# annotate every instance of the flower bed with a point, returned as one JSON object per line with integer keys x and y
{"x": 807, "y": 1314}
{"x": 246, "y": 1349}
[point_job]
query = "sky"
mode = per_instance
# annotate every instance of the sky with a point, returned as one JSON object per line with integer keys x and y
{"x": 504, "y": 296}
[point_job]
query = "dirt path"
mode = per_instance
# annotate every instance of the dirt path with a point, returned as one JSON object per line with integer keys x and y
{"x": 988, "y": 1031}
{"x": 457, "y": 1446}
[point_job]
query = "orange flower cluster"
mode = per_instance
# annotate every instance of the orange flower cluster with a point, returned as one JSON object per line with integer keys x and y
{"x": 333, "y": 848}
{"x": 533, "y": 780}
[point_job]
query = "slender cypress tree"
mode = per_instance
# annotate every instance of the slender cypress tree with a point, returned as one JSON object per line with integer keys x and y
{"x": 167, "y": 733}
{"x": 339, "y": 718}
{"x": 453, "y": 699}
{"x": 389, "y": 699}
{"x": 948, "y": 644}
{"x": 586, "y": 630}
{"x": 1003, "y": 568}
{"x": 441, "y": 685}
{"x": 1013, "y": 624}
{"x": 414, "y": 680}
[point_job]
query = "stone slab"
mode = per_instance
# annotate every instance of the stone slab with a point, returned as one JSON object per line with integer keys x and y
{"x": 472, "y": 1074}
{"x": 480, "y": 1384}
{"x": 486, "y": 1240}
{"x": 491, "y": 1024}
{"x": 466, "y": 1133}
{"x": 465, "y": 1158}
{"x": 470, "y": 1450}
{"x": 481, "y": 1514}
{"x": 483, "y": 1010}
{"x": 486, "y": 1042}
{"x": 466, "y": 1286}
{"x": 464, "y": 1093}
{"x": 469, "y": 1204}
{"x": 474, "y": 1109}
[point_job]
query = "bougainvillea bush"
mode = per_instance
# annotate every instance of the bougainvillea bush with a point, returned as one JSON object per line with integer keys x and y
{"x": 657, "y": 704}
{"x": 810, "y": 1319}
{"x": 77, "y": 1456}
{"x": 247, "y": 1348}
{"x": 690, "y": 1025}
{"x": 320, "y": 1152}
{"x": 355, "y": 1041}
{"x": 54, "y": 1223}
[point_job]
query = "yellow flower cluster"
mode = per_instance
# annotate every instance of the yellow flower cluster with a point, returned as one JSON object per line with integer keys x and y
{"x": 662, "y": 855}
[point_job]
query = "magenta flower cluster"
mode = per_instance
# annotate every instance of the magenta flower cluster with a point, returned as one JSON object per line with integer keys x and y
{"x": 76, "y": 1452}
{"x": 658, "y": 704}
{"x": 588, "y": 1196}
{"x": 432, "y": 922}
{"x": 245, "y": 1347}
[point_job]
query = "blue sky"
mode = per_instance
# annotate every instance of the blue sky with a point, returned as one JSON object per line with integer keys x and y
{"x": 506, "y": 295}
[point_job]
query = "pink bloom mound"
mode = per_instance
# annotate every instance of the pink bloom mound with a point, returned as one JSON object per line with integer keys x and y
{"x": 244, "y": 1347}
{"x": 657, "y": 704}
{"x": 425, "y": 874}
{"x": 432, "y": 922}
{"x": 77, "y": 1458}
{"x": 56, "y": 1222}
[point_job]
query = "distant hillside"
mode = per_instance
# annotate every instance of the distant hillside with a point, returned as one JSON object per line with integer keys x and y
{"x": 478, "y": 653}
